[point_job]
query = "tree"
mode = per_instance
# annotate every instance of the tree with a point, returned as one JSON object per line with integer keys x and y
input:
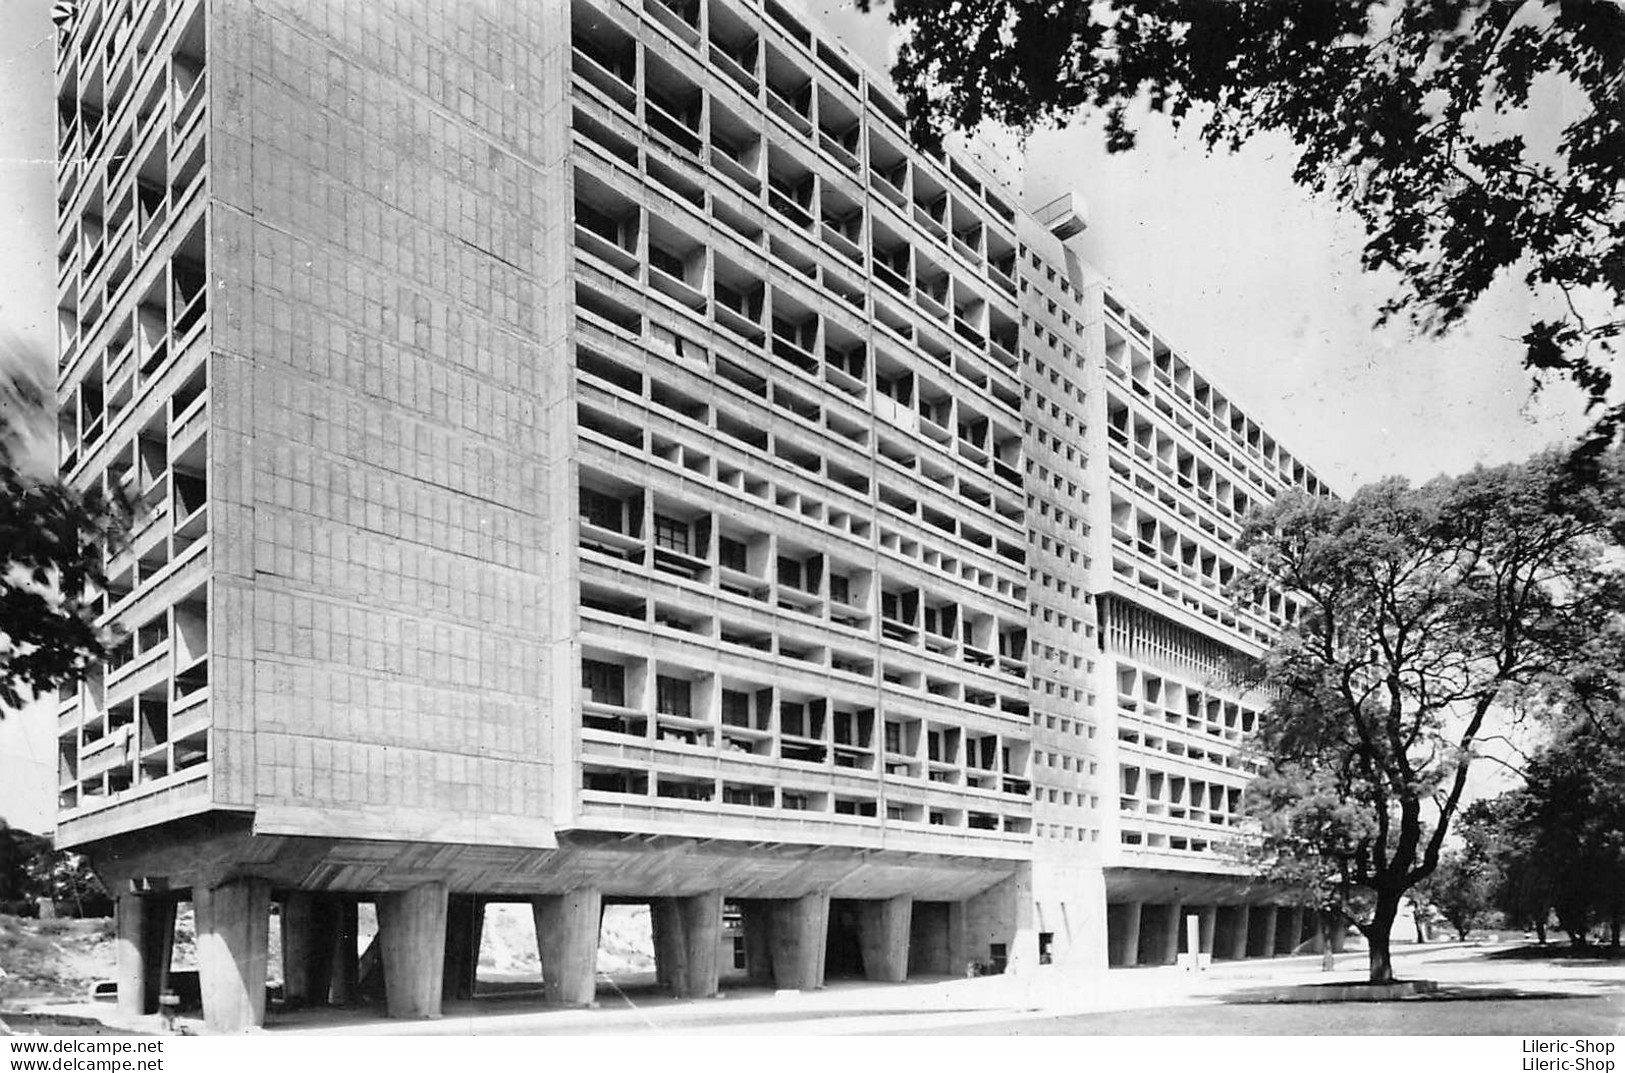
{"x": 1575, "y": 809}
{"x": 54, "y": 540}
{"x": 1410, "y": 116}
{"x": 1421, "y": 611}
{"x": 1458, "y": 890}
{"x": 1309, "y": 843}
{"x": 30, "y": 868}
{"x": 1499, "y": 832}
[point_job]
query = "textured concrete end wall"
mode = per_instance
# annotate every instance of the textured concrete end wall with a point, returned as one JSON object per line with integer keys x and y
{"x": 386, "y": 194}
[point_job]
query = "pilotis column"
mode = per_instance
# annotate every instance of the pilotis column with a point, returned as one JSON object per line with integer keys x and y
{"x": 412, "y": 931}
{"x": 233, "y": 929}
{"x": 567, "y": 940}
{"x": 883, "y": 931}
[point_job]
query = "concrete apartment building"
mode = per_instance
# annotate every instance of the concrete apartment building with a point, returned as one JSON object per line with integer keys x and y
{"x": 586, "y": 455}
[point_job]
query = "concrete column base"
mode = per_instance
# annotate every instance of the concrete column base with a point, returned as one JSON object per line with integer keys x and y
{"x": 687, "y": 934}
{"x": 1123, "y": 929}
{"x": 883, "y": 933}
{"x": 800, "y": 930}
{"x": 567, "y": 940}
{"x": 145, "y": 940}
{"x": 233, "y": 929}
{"x": 1208, "y": 918}
{"x": 412, "y": 931}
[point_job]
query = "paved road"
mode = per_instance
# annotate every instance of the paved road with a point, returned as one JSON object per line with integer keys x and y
{"x": 1600, "y": 1015}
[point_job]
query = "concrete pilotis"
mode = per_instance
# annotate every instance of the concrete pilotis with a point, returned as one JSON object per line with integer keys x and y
{"x": 699, "y": 935}
{"x": 1125, "y": 951}
{"x": 1208, "y": 919}
{"x": 146, "y": 933}
{"x": 883, "y": 931}
{"x": 757, "y": 920}
{"x": 1289, "y": 930}
{"x": 412, "y": 931}
{"x": 233, "y": 929}
{"x": 666, "y": 931}
{"x": 687, "y": 932}
{"x": 1174, "y": 927}
{"x": 308, "y": 924}
{"x": 567, "y": 940}
{"x": 341, "y": 988}
{"x": 1261, "y": 931}
{"x": 465, "y": 923}
{"x": 1241, "y": 928}
{"x": 800, "y": 930}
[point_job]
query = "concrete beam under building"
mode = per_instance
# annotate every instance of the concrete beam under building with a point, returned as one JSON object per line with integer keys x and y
{"x": 233, "y": 929}
{"x": 412, "y": 929}
{"x": 567, "y": 928}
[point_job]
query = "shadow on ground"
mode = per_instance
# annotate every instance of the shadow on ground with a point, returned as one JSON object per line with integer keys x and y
{"x": 1552, "y": 954}
{"x": 1260, "y": 996}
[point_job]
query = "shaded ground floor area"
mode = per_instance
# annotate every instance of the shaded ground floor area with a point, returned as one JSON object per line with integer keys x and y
{"x": 1162, "y": 916}
{"x": 294, "y": 923}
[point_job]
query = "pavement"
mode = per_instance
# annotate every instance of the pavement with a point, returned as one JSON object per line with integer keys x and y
{"x": 1482, "y": 990}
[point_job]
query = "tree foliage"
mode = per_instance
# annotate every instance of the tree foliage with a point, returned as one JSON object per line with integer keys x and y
{"x": 1422, "y": 611}
{"x": 1574, "y": 813}
{"x": 1412, "y": 116}
{"x": 30, "y": 868}
{"x": 54, "y": 539}
{"x": 1460, "y": 890}
{"x": 1498, "y": 831}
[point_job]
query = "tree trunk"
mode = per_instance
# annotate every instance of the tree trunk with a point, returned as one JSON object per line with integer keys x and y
{"x": 1613, "y": 931}
{"x": 1540, "y": 931}
{"x": 1328, "y": 956}
{"x": 1377, "y": 937}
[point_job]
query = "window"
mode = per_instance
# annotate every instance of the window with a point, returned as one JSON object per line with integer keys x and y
{"x": 735, "y": 708}
{"x": 601, "y": 510}
{"x": 673, "y": 696}
{"x": 840, "y": 589}
{"x": 671, "y": 534}
{"x": 606, "y": 682}
{"x": 731, "y": 554}
{"x": 894, "y": 737}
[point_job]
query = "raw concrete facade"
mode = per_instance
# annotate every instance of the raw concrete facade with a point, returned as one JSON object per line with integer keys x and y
{"x": 584, "y": 453}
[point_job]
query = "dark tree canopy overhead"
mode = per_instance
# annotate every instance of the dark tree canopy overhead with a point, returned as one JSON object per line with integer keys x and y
{"x": 1416, "y": 117}
{"x": 53, "y": 542}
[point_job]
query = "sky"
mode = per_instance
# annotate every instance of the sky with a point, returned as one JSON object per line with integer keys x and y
{"x": 1256, "y": 284}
